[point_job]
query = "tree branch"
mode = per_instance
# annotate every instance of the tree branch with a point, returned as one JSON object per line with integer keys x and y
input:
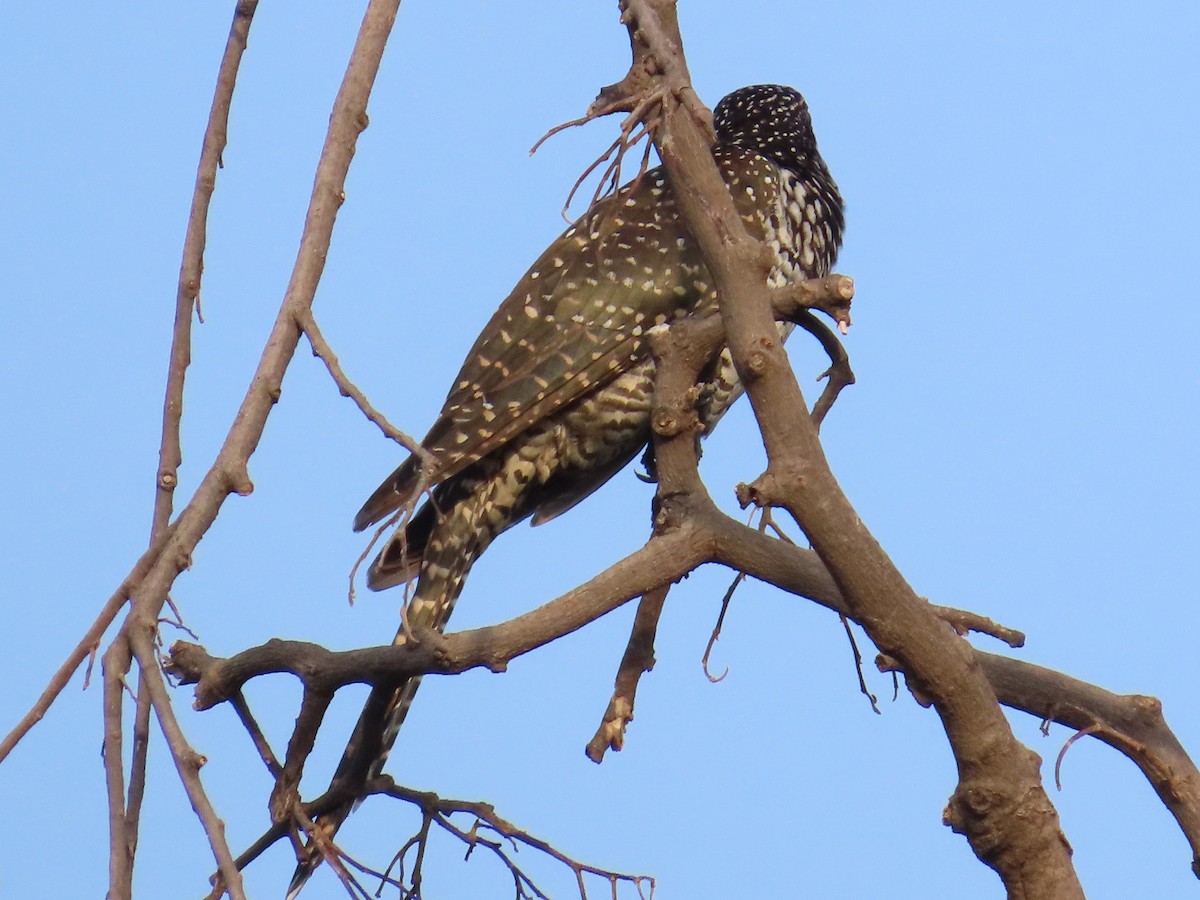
{"x": 1131, "y": 724}
{"x": 228, "y": 474}
{"x": 638, "y": 658}
{"x": 324, "y": 352}
{"x": 191, "y": 267}
{"x": 187, "y": 762}
{"x": 1000, "y": 804}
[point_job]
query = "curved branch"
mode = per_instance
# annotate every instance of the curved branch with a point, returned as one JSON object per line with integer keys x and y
{"x": 665, "y": 558}
{"x": 191, "y": 267}
{"x": 1131, "y": 724}
{"x": 228, "y": 474}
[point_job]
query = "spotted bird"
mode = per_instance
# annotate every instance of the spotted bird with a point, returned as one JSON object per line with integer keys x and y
{"x": 555, "y": 396}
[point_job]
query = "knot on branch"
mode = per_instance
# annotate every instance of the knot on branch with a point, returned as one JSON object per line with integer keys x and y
{"x": 187, "y": 662}
{"x": 998, "y": 820}
{"x": 611, "y": 733}
{"x": 758, "y": 359}
{"x": 624, "y": 95}
{"x": 769, "y": 489}
{"x": 673, "y": 510}
{"x": 284, "y": 800}
{"x": 970, "y": 807}
{"x": 672, "y": 420}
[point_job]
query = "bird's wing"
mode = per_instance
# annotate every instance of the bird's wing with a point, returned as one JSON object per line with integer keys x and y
{"x": 575, "y": 321}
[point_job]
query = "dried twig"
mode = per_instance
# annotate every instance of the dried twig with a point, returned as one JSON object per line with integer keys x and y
{"x": 324, "y": 352}
{"x": 716, "y": 631}
{"x": 438, "y": 811}
{"x": 1083, "y": 732}
{"x": 636, "y": 126}
{"x": 858, "y": 666}
{"x": 87, "y": 646}
{"x": 638, "y": 658}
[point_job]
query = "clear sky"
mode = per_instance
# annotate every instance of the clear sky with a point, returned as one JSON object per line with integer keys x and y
{"x": 1021, "y": 183}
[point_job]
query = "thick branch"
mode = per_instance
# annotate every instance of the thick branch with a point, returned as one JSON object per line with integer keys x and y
{"x": 999, "y": 804}
{"x": 1131, "y": 724}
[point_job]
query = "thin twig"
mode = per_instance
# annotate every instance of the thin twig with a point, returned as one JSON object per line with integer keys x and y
{"x": 858, "y": 666}
{"x": 1084, "y": 732}
{"x": 86, "y": 648}
{"x": 839, "y": 375}
{"x": 716, "y": 631}
{"x": 191, "y": 267}
{"x": 324, "y": 352}
{"x": 261, "y": 744}
{"x": 635, "y": 127}
{"x": 438, "y": 810}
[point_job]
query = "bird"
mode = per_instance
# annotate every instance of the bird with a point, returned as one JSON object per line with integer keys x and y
{"x": 555, "y": 396}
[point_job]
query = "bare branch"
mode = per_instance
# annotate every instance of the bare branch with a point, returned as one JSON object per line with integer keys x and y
{"x": 638, "y": 658}
{"x": 324, "y": 352}
{"x": 438, "y": 810}
{"x": 662, "y": 560}
{"x": 964, "y": 622}
{"x": 191, "y": 268}
{"x": 120, "y": 858}
{"x": 1133, "y": 724}
{"x": 87, "y": 645}
{"x": 137, "y": 765}
{"x": 1016, "y": 831}
{"x": 228, "y": 474}
{"x": 858, "y": 666}
{"x": 187, "y": 761}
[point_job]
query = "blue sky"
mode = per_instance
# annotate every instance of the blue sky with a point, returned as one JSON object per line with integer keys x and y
{"x": 1021, "y": 187}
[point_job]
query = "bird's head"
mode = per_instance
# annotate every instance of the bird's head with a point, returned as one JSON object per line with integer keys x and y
{"x": 770, "y": 119}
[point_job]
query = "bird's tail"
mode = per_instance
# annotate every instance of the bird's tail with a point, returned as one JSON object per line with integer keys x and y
{"x": 444, "y": 547}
